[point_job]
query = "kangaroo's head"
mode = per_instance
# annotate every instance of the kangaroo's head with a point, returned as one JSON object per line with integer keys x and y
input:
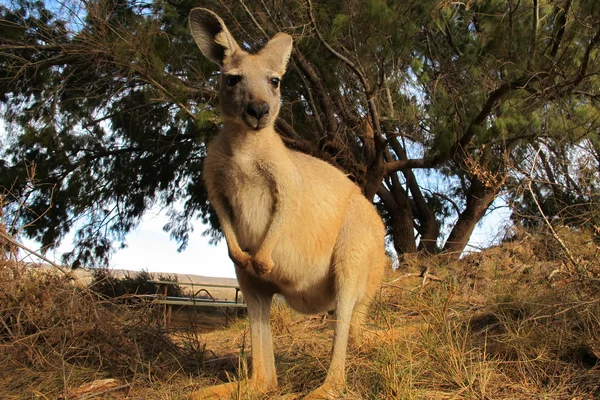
{"x": 249, "y": 94}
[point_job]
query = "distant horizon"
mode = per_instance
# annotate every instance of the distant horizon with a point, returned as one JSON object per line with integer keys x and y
{"x": 121, "y": 271}
{"x": 150, "y": 248}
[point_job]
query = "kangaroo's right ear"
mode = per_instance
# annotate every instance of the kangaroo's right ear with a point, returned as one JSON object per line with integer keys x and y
{"x": 211, "y": 36}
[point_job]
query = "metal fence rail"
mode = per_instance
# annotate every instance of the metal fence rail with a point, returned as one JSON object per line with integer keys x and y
{"x": 169, "y": 301}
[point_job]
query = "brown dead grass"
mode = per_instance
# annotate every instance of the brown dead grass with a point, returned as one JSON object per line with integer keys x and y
{"x": 513, "y": 322}
{"x": 55, "y": 337}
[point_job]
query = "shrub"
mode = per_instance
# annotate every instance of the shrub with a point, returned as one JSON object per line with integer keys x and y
{"x": 105, "y": 283}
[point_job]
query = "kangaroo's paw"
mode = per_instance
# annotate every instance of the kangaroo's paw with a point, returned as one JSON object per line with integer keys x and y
{"x": 232, "y": 390}
{"x": 242, "y": 259}
{"x": 262, "y": 266}
{"x": 326, "y": 392}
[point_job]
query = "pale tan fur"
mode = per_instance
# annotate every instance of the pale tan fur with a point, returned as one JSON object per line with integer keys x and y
{"x": 294, "y": 225}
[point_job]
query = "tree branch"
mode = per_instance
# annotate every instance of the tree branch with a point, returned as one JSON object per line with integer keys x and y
{"x": 399, "y": 165}
{"x": 326, "y": 104}
{"x": 586, "y": 59}
{"x": 449, "y": 200}
{"x": 565, "y": 249}
{"x": 41, "y": 257}
{"x": 560, "y": 21}
{"x": 493, "y": 99}
{"x": 379, "y": 145}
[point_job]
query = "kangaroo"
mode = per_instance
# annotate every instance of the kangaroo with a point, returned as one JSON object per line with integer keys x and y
{"x": 294, "y": 225}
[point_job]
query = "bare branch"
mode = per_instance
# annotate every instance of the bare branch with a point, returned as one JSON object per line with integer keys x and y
{"x": 38, "y": 255}
{"x": 399, "y": 165}
{"x": 493, "y": 98}
{"x": 316, "y": 82}
{"x": 565, "y": 249}
{"x": 449, "y": 200}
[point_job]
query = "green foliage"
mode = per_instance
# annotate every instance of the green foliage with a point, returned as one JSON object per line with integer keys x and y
{"x": 115, "y": 110}
{"x": 106, "y": 142}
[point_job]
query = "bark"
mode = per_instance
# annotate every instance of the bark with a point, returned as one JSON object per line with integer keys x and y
{"x": 373, "y": 179}
{"x": 400, "y": 220}
{"x": 400, "y": 165}
{"x": 429, "y": 228}
{"x": 479, "y": 198}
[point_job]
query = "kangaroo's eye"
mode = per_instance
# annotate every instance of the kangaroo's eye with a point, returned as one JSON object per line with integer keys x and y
{"x": 275, "y": 82}
{"x": 232, "y": 80}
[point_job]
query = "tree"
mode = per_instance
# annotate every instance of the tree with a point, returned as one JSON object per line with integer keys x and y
{"x": 427, "y": 106}
{"x": 560, "y": 183}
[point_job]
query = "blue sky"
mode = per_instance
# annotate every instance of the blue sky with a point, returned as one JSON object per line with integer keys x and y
{"x": 150, "y": 248}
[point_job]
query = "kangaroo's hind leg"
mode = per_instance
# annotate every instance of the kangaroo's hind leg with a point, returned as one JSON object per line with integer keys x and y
{"x": 357, "y": 272}
{"x": 263, "y": 378}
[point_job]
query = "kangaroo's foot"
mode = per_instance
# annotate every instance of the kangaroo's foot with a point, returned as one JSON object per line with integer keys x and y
{"x": 326, "y": 391}
{"x": 232, "y": 390}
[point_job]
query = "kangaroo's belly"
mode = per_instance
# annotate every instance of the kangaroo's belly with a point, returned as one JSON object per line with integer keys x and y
{"x": 302, "y": 256}
{"x": 303, "y": 269}
{"x": 316, "y": 298}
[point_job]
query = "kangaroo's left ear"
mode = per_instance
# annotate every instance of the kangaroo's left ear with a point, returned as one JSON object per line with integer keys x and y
{"x": 277, "y": 52}
{"x": 212, "y": 36}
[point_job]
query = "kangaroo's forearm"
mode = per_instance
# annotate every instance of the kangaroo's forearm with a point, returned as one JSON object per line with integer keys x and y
{"x": 232, "y": 242}
{"x": 226, "y": 225}
{"x": 274, "y": 232}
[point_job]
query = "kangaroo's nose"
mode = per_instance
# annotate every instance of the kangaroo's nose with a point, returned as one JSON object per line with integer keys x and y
{"x": 258, "y": 110}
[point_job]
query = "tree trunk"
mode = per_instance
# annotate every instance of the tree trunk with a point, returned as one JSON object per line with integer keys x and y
{"x": 479, "y": 198}
{"x": 373, "y": 179}
{"x": 430, "y": 230}
{"x": 400, "y": 221}
{"x": 403, "y": 231}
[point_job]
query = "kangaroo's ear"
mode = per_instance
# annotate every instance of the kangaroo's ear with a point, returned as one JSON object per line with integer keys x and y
{"x": 211, "y": 36}
{"x": 277, "y": 52}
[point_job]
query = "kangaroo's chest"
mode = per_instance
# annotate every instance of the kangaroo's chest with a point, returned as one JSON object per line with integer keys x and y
{"x": 250, "y": 197}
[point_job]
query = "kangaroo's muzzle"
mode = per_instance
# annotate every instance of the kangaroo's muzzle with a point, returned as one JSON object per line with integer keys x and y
{"x": 256, "y": 115}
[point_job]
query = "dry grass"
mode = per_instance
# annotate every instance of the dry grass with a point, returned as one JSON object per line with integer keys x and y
{"x": 502, "y": 324}
{"x": 513, "y": 322}
{"x": 54, "y": 337}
